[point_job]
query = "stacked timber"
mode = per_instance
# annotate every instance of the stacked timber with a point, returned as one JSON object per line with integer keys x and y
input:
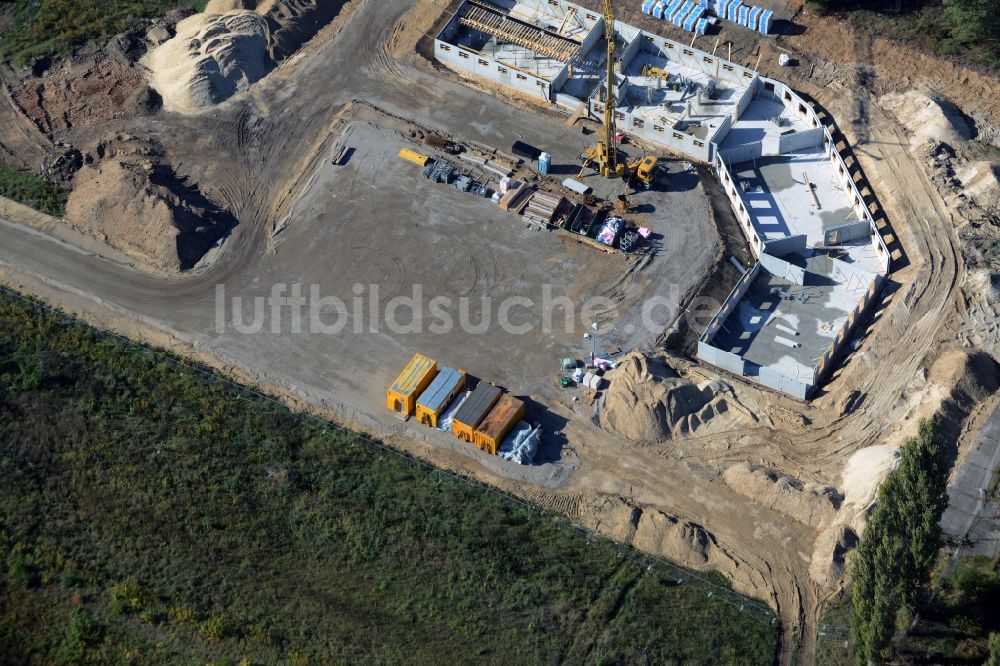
{"x": 515, "y": 196}
{"x": 542, "y": 207}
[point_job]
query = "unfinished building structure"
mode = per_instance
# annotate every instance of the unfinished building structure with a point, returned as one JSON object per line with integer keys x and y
{"x": 820, "y": 256}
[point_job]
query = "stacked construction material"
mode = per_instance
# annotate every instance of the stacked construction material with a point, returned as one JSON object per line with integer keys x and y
{"x": 542, "y": 207}
{"x": 514, "y": 196}
{"x": 682, "y": 13}
{"x": 755, "y": 18}
{"x": 672, "y": 9}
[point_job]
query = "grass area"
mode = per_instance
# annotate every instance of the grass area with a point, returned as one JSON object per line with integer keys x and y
{"x": 33, "y": 191}
{"x": 150, "y": 514}
{"x": 36, "y": 28}
{"x": 954, "y": 627}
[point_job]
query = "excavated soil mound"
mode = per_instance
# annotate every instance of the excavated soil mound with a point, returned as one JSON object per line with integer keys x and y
{"x": 811, "y": 504}
{"x": 648, "y": 402}
{"x": 133, "y": 209}
{"x": 295, "y": 22}
{"x": 211, "y": 58}
{"x": 927, "y": 120}
{"x": 980, "y": 180}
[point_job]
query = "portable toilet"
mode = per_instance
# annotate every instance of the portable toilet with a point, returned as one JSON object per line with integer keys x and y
{"x": 753, "y": 16}
{"x": 764, "y": 22}
{"x": 415, "y": 377}
{"x": 544, "y": 162}
{"x": 475, "y": 409}
{"x": 734, "y": 10}
{"x": 743, "y": 15}
{"x": 504, "y": 416}
{"x": 436, "y": 397}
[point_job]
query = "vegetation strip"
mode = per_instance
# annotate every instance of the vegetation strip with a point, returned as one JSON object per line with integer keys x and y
{"x": 148, "y": 514}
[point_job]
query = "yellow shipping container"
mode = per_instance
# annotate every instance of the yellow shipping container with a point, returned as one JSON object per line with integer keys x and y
{"x": 412, "y": 381}
{"x": 414, "y": 156}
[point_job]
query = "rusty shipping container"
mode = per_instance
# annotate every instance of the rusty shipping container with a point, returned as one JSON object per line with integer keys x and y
{"x": 475, "y": 410}
{"x": 504, "y": 416}
{"x": 412, "y": 381}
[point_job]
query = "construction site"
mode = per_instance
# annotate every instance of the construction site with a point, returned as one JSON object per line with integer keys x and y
{"x": 763, "y": 273}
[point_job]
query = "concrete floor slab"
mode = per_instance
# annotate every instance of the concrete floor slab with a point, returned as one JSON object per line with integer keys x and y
{"x": 777, "y": 197}
{"x": 785, "y": 326}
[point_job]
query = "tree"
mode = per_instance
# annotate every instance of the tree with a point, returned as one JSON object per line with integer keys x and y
{"x": 901, "y": 542}
{"x": 993, "y": 646}
{"x": 972, "y": 21}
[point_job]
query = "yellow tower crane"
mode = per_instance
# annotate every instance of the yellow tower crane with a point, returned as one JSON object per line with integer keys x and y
{"x": 605, "y": 155}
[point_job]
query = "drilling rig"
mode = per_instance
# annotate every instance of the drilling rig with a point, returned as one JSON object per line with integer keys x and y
{"x": 605, "y": 154}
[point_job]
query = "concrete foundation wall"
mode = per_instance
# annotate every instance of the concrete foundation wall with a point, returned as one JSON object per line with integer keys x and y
{"x": 796, "y": 388}
{"x": 782, "y": 246}
{"x": 721, "y": 359}
{"x": 744, "y": 153}
{"x": 826, "y": 362}
{"x": 846, "y": 233}
{"x": 596, "y": 35}
{"x": 781, "y": 268}
{"x": 789, "y": 143}
{"x": 736, "y": 202}
{"x": 468, "y": 60}
{"x": 734, "y": 296}
{"x": 746, "y": 99}
{"x": 631, "y": 51}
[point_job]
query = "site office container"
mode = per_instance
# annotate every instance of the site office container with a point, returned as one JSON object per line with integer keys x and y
{"x": 412, "y": 381}
{"x": 475, "y": 409}
{"x": 433, "y": 401}
{"x": 504, "y": 416}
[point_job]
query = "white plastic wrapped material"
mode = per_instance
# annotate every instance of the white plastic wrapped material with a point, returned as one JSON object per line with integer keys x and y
{"x": 521, "y": 444}
{"x": 578, "y": 375}
{"x": 444, "y": 423}
{"x": 783, "y": 59}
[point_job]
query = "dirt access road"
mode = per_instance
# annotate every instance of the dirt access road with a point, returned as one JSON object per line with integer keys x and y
{"x": 264, "y": 145}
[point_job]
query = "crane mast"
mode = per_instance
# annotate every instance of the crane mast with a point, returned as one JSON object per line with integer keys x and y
{"x": 607, "y": 150}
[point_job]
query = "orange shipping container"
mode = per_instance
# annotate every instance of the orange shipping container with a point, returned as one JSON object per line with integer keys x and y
{"x": 412, "y": 381}
{"x": 490, "y": 433}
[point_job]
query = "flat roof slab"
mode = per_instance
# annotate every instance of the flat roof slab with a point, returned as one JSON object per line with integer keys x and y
{"x": 784, "y": 326}
{"x": 778, "y": 198}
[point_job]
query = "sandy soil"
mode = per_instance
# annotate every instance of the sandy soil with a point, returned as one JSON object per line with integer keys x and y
{"x": 769, "y": 491}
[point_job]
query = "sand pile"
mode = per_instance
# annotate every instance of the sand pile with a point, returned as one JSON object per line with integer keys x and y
{"x": 863, "y": 473}
{"x": 129, "y": 207}
{"x": 811, "y": 504}
{"x": 927, "y": 119}
{"x": 211, "y": 58}
{"x": 827, "y": 566}
{"x": 655, "y": 532}
{"x": 648, "y": 402}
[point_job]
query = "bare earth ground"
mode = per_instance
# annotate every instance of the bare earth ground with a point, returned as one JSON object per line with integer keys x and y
{"x": 745, "y": 481}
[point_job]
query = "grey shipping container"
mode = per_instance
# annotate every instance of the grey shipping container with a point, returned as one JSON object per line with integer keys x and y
{"x": 475, "y": 410}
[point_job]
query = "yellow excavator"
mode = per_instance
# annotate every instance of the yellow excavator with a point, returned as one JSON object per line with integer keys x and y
{"x": 605, "y": 156}
{"x": 645, "y": 170}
